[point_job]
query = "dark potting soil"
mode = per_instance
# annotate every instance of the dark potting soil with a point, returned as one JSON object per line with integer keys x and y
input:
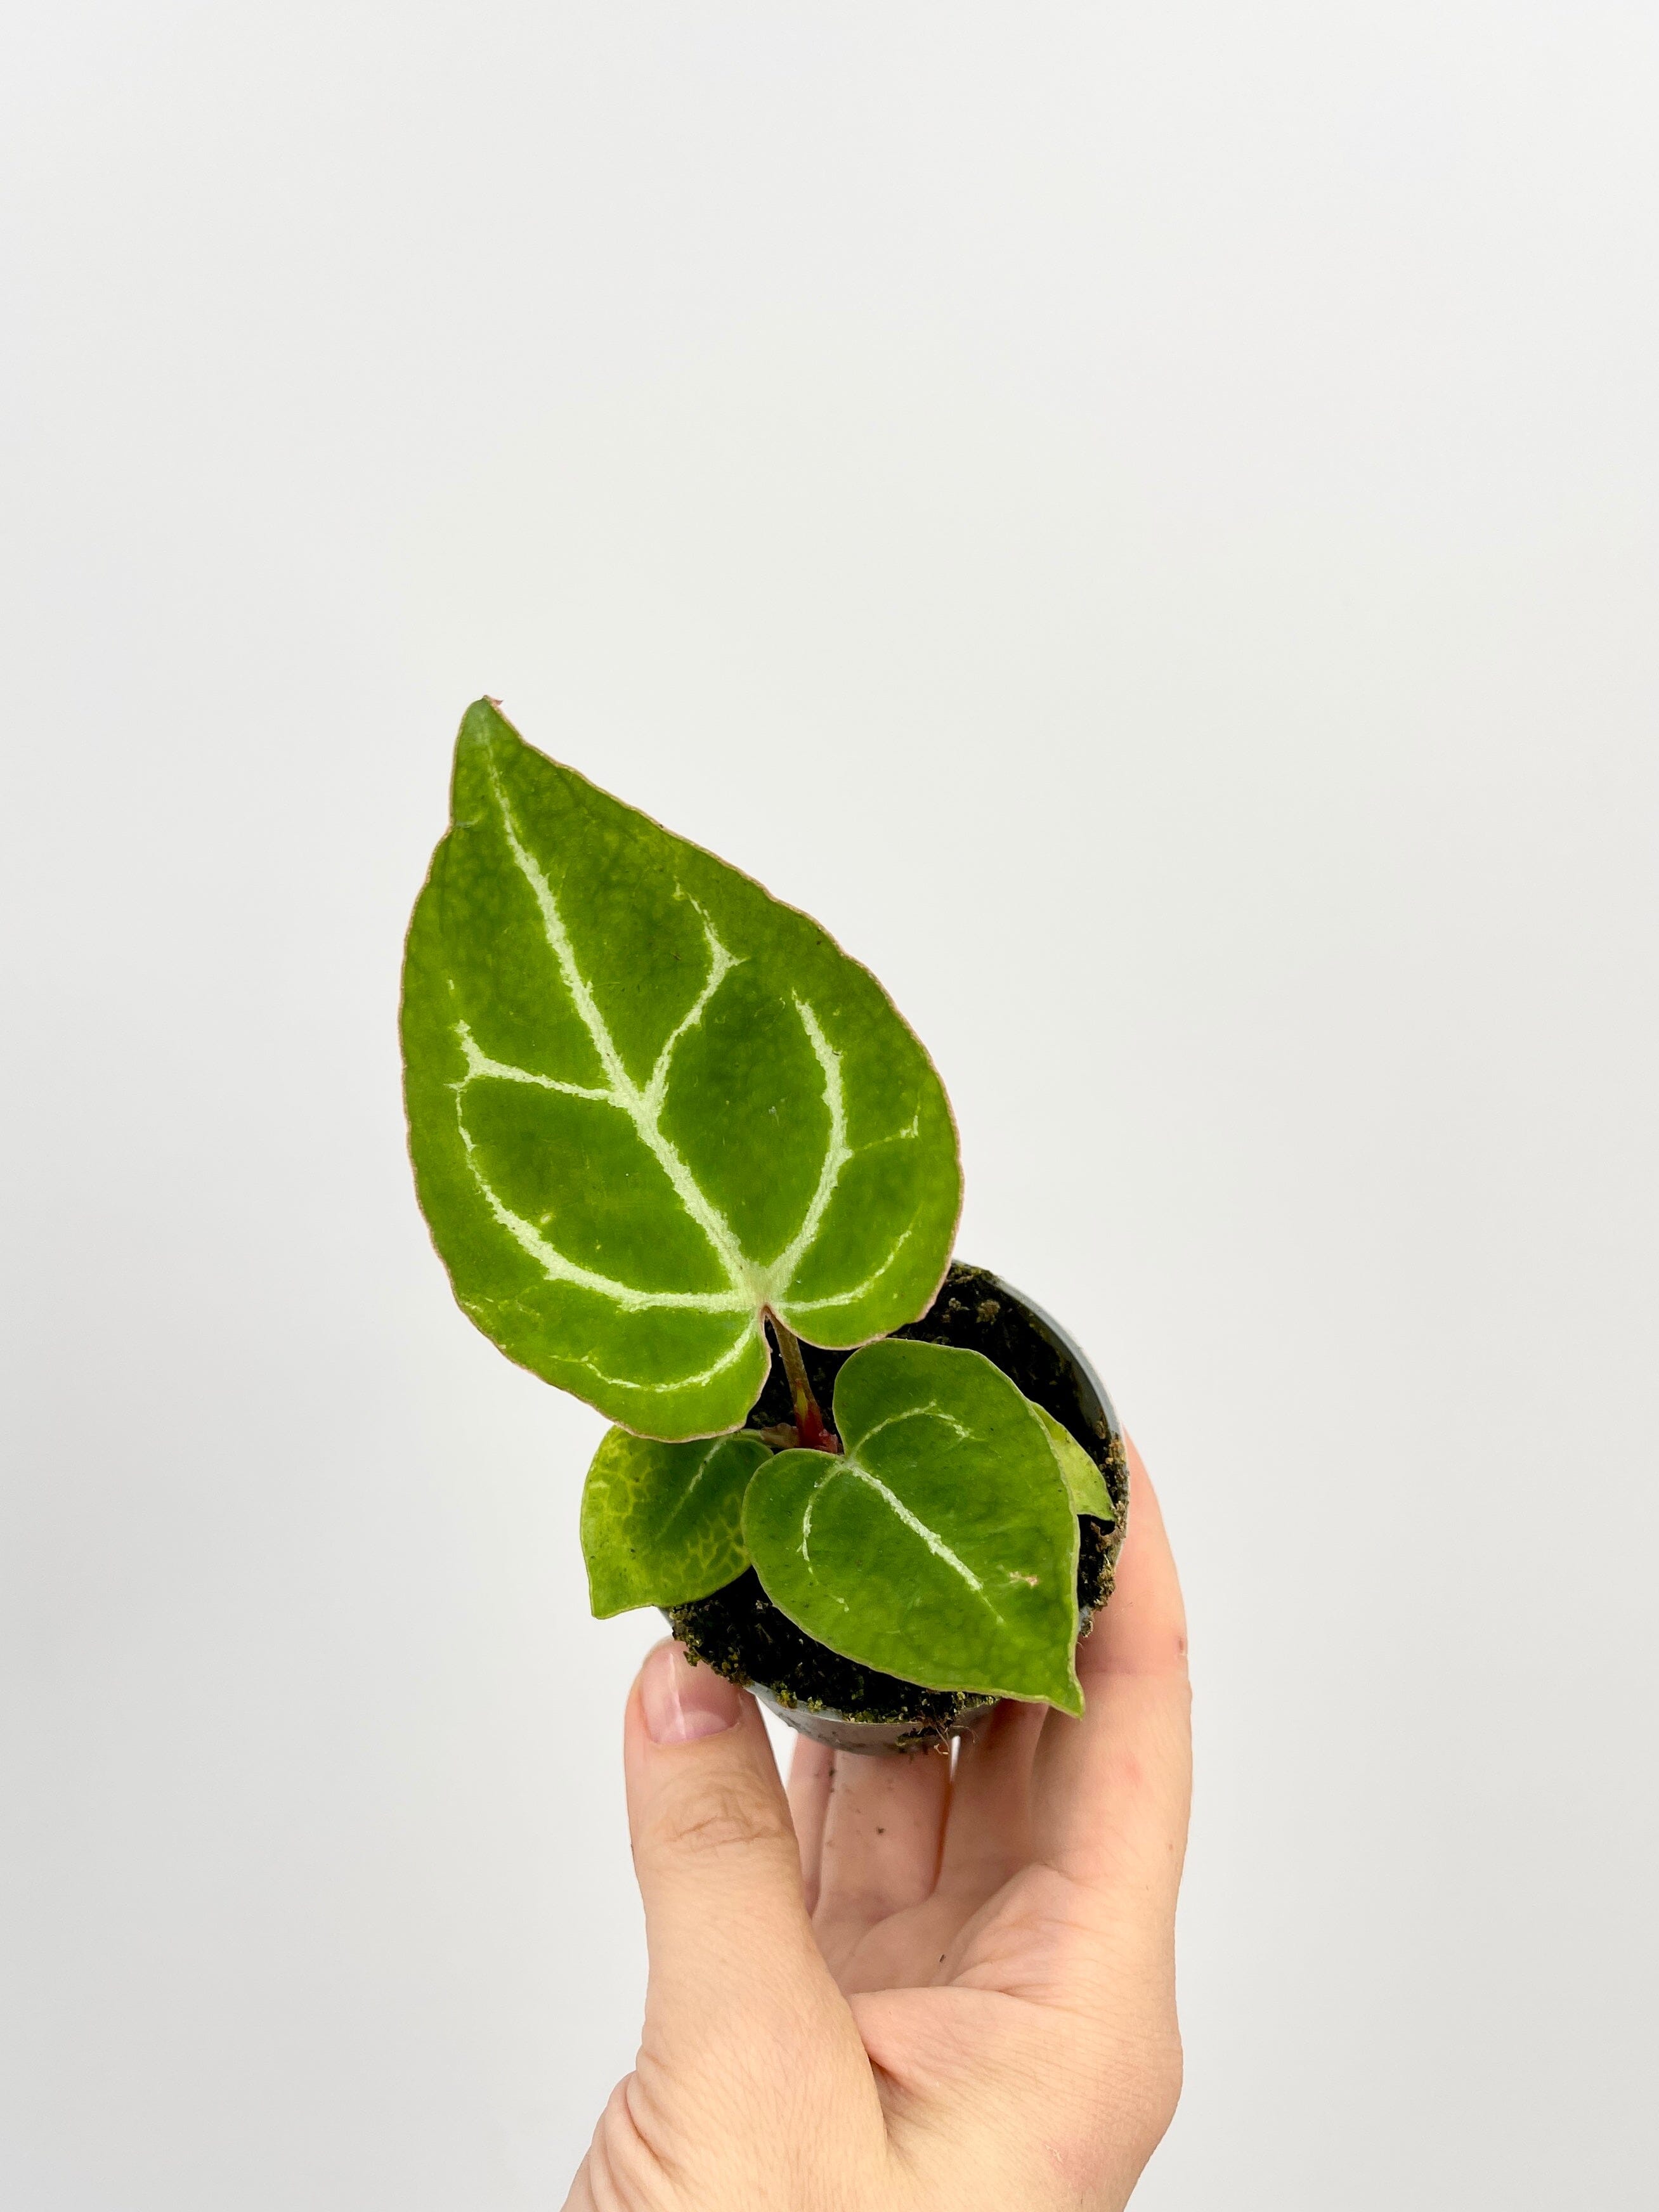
{"x": 740, "y": 1633}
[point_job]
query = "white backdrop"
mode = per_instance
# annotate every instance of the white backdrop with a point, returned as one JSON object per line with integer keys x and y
{"x": 1142, "y": 519}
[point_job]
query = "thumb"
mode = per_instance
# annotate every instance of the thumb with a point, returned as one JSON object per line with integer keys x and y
{"x": 735, "y": 1967}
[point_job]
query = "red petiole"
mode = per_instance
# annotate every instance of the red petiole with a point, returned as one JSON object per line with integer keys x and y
{"x": 813, "y": 1431}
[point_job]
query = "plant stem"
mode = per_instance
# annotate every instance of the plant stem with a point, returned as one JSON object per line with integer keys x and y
{"x": 809, "y": 1424}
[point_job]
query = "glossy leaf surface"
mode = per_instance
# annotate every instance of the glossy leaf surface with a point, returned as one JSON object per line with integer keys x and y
{"x": 647, "y": 1102}
{"x": 662, "y": 1524}
{"x": 942, "y": 1546}
{"x": 1085, "y": 1485}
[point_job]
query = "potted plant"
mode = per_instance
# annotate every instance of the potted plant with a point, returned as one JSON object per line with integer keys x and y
{"x": 683, "y": 1158}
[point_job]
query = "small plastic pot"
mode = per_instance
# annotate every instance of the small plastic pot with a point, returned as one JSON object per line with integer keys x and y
{"x": 742, "y": 1634}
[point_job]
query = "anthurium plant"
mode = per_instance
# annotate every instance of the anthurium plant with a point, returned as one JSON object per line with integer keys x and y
{"x": 671, "y": 1141}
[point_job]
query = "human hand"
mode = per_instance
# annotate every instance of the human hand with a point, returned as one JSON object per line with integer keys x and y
{"x": 926, "y": 1991}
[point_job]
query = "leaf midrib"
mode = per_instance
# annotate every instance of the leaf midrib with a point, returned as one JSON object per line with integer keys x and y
{"x": 751, "y": 1287}
{"x": 849, "y": 1462}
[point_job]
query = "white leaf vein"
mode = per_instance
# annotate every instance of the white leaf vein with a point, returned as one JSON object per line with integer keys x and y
{"x": 558, "y": 1268}
{"x": 750, "y": 1287}
{"x": 852, "y": 1465}
{"x": 642, "y": 1106}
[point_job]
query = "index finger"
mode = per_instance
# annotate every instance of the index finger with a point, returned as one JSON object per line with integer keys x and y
{"x": 1110, "y": 1792}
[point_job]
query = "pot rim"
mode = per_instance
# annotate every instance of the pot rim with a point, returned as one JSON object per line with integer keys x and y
{"x": 841, "y": 1733}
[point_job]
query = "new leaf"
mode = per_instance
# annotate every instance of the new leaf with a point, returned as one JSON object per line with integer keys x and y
{"x": 1085, "y": 1485}
{"x": 647, "y": 1102}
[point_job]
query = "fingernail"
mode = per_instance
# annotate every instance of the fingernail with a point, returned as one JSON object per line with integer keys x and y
{"x": 683, "y": 1702}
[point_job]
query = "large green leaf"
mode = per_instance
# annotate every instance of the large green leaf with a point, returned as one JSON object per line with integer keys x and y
{"x": 647, "y": 1102}
{"x": 662, "y": 1524}
{"x": 942, "y": 1546}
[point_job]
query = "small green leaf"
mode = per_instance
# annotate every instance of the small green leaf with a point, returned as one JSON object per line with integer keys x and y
{"x": 662, "y": 1524}
{"x": 647, "y": 1102}
{"x": 941, "y": 1546}
{"x": 1085, "y": 1485}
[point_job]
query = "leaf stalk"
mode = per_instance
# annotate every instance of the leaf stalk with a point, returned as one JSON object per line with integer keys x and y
{"x": 814, "y": 1432}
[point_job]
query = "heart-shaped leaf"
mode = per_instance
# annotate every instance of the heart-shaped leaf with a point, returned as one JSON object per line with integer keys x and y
{"x": 941, "y": 1546}
{"x": 647, "y": 1102}
{"x": 1085, "y": 1485}
{"x": 662, "y": 1524}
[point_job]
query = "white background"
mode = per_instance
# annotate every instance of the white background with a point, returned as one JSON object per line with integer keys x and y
{"x": 1142, "y": 519}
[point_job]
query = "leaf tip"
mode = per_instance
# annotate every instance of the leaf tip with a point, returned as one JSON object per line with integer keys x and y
{"x": 1070, "y": 1697}
{"x": 483, "y": 745}
{"x": 483, "y": 724}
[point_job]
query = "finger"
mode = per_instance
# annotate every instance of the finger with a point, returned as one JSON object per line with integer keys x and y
{"x": 733, "y": 1967}
{"x": 810, "y": 1768}
{"x": 987, "y": 1829}
{"x": 1110, "y": 1791}
{"x": 881, "y": 1837}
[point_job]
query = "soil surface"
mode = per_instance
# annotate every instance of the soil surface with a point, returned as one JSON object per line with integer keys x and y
{"x": 740, "y": 1633}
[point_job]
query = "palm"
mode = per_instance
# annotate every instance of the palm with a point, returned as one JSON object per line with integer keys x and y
{"x": 974, "y": 1920}
{"x": 1018, "y": 1873}
{"x": 980, "y": 2011}
{"x": 903, "y": 1863}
